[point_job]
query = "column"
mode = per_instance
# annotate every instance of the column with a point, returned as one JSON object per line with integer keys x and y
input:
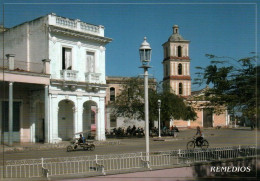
{"x": 171, "y": 68}
{"x": 75, "y": 122}
{"x": 54, "y": 111}
{"x": 79, "y": 115}
{"x": 10, "y": 133}
{"x": 184, "y": 69}
{"x": 226, "y": 112}
{"x": 188, "y": 68}
{"x": 32, "y": 118}
{"x": 176, "y": 68}
{"x": 102, "y": 118}
{"x": 46, "y": 114}
{"x": 97, "y": 124}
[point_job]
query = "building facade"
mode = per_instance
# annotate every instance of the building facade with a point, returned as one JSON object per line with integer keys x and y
{"x": 71, "y": 53}
{"x": 176, "y": 68}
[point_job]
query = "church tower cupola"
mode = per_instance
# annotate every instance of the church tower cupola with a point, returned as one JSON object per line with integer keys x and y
{"x": 175, "y": 29}
{"x": 176, "y": 64}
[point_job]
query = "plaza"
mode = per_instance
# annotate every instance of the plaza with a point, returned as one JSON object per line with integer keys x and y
{"x": 216, "y": 138}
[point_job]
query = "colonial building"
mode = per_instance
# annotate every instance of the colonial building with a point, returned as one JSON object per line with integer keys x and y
{"x": 176, "y": 68}
{"x": 55, "y": 69}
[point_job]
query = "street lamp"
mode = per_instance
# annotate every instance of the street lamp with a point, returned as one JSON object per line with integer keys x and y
{"x": 159, "y": 122}
{"x": 145, "y": 58}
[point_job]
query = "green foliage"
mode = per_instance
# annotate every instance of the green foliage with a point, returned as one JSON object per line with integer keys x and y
{"x": 173, "y": 106}
{"x": 233, "y": 83}
{"x": 130, "y": 103}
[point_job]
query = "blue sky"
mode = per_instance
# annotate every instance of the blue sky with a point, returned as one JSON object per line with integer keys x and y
{"x": 224, "y": 28}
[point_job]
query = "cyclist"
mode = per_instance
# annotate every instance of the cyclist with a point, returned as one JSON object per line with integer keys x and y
{"x": 199, "y": 137}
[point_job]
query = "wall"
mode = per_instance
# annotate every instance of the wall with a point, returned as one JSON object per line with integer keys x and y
{"x": 28, "y": 42}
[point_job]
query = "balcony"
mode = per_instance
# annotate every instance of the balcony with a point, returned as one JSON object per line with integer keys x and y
{"x": 76, "y": 25}
{"x": 92, "y": 77}
{"x": 69, "y": 75}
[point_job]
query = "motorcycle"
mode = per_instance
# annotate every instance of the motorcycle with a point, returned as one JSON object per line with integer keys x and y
{"x": 75, "y": 144}
{"x": 81, "y": 142}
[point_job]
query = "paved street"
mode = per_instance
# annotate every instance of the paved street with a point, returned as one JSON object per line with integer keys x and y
{"x": 216, "y": 138}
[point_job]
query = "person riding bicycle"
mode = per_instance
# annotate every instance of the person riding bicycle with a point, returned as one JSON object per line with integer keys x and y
{"x": 199, "y": 137}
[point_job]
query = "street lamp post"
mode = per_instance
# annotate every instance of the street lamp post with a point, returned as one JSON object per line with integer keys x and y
{"x": 159, "y": 121}
{"x": 145, "y": 57}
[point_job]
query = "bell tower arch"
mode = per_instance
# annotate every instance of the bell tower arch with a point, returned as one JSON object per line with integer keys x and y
{"x": 176, "y": 64}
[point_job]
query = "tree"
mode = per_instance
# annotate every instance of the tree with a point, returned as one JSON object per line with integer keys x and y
{"x": 130, "y": 103}
{"x": 232, "y": 84}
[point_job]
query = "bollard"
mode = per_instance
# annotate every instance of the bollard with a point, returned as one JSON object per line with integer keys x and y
{"x": 45, "y": 171}
{"x": 100, "y": 168}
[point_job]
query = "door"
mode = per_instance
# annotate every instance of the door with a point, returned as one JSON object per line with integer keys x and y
{"x": 207, "y": 118}
{"x": 16, "y": 120}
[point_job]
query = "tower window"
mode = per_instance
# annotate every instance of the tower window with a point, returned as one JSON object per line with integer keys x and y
{"x": 112, "y": 94}
{"x": 179, "y": 51}
{"x": 166, "y": 52}
{"x": 166, "y": 70}
{"x": 180, "y": 88}
{"x": 180, "y": 69}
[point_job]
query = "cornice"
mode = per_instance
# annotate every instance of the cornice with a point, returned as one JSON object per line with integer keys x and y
{"x": 74, "y": 33}
{"x": 180, "y": 77}
{"x": 171, "y": 58}
{"x": 23, "y": 72}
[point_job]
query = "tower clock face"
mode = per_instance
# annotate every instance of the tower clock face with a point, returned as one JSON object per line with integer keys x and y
{"x": 177, "y": 63}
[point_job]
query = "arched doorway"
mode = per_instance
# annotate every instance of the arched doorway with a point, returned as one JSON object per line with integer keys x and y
{"x": 66, "y": 120}
{"x": 89, "y": 118}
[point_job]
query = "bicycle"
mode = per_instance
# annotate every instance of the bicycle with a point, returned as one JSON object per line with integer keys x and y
{"x": 203, "y": 144}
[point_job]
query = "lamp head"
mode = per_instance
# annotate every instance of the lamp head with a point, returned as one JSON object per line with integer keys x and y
{"x": 145, "y": 52}
{"x": 159, "y": 103}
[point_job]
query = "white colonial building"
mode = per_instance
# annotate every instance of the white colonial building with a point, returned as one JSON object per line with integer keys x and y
{"x": 71, "y": 54}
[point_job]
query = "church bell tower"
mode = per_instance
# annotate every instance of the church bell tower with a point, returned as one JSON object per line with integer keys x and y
{"x": 176, "y": 64}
